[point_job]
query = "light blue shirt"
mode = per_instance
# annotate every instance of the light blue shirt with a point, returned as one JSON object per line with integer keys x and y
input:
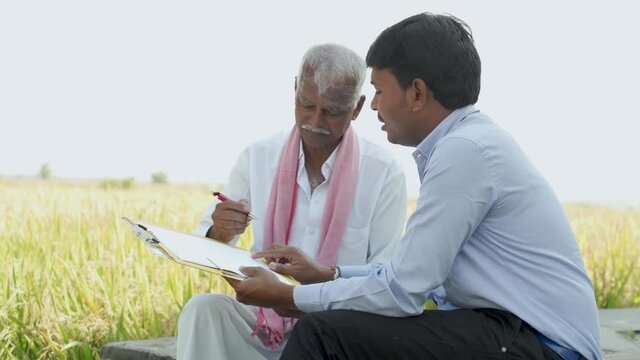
{"x": 487, "y": 232}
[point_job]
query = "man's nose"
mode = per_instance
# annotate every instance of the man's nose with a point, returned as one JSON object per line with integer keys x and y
{"x": 374, "y": 103}
{"x": 316, "y": 119}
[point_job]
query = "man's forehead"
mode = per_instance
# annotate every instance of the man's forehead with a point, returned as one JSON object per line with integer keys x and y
{"x": 336, "y": 95}
{"x": 379, "y": 75}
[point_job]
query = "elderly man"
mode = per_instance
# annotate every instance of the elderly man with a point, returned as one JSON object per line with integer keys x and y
{"x": 320, "y": 188}
{"x": 488, "y": 240}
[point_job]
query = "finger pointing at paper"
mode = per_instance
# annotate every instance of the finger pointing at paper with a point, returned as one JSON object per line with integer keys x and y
{"x": 291, "y": 261}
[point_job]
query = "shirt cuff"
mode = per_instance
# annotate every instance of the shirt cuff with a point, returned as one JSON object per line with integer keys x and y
{"x": 355, "y": 270}
{"x": 202, "y": 229}
{"x": 307, "y": 297}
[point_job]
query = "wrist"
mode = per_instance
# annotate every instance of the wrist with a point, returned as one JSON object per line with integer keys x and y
{"x": 210, "y": 232}
{"x": 336, "y": 272}
{"x": 329, "y": 273}
{"x": 214, "y": 234}
{"x": 286, "y": 297}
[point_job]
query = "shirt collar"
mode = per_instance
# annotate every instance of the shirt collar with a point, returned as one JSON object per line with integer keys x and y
{"x": 331, "y": 160}
{"x": 423, "y": 151}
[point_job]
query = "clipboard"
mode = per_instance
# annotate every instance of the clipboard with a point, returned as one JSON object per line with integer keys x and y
{"x": 198, "y": 252}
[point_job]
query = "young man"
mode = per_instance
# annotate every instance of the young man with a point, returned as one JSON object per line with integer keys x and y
{"x": 319, "y": 187}
{"x": 488, "y": 241}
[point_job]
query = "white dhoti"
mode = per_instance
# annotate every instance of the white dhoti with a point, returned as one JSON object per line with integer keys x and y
{"x": 217, "y": 326}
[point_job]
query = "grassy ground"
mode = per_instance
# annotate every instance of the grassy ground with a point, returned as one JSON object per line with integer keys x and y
{"x": 73, "y": 276}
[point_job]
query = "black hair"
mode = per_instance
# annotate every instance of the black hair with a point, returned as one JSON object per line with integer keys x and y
{"x": 438, "y": 49}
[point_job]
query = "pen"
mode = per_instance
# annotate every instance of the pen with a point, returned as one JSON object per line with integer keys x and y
{"x": 224, "y": 198}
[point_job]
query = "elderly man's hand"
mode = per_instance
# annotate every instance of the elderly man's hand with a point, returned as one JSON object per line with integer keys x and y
{"x": 262, "y": 288}
{"x": 229, "y": 219}
{"x": 289, "y": 260}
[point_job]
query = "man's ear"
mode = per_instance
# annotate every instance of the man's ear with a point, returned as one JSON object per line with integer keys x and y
{"x": 359, "y": 106}
{"x": 418, "y": 94}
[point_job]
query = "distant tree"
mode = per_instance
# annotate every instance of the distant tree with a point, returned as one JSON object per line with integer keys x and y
{"x": 126, "y": 183}
{"x": 159, "y": 178}
{"x": 110, "y": 184}
{"x": 45, "y": 171}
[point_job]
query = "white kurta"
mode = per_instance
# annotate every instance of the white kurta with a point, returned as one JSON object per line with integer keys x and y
{"x": 218, "y": 327}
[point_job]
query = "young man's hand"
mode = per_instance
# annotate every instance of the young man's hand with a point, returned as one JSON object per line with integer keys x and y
{"x": 262, "y": 288}
{"x": 289, "y": 313}
{"x": 291, "y": 261}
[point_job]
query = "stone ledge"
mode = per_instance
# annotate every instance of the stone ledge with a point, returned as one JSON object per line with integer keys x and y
{"x": 625, "y": 355}
{"x": 151, "y": 349}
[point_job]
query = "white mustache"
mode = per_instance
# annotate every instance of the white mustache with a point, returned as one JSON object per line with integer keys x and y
{"x": 315, "y": 130}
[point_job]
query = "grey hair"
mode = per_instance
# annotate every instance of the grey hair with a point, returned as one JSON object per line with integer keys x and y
{"x": 333, "y": 64}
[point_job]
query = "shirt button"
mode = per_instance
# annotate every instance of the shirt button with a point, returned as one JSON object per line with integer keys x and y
{"x": 503, "y": 349}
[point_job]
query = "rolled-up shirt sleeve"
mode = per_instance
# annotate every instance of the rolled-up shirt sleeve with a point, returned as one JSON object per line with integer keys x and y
{"x": 457, "y": 191}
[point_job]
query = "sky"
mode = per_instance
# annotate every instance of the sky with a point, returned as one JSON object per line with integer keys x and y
{"x": 115, "y": 89}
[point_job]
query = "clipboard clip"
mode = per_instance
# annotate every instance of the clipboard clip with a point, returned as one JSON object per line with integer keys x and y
{"x": 148, "y": 237}
{"x": 142, "y": 232}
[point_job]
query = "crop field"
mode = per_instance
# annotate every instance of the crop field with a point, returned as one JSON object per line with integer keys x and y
{"x": 73, "y": 276}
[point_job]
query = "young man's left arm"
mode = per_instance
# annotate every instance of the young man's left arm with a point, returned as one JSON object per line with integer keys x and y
{"x": 456, "y": 193}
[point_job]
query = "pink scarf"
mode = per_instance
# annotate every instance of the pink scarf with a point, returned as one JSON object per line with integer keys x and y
{"x": 281, "y": 210}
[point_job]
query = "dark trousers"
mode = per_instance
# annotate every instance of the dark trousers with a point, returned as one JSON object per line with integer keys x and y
{"x": 456, "y": 334}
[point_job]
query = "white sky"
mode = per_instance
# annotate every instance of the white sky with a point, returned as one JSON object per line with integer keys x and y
{"x": 126, "y": 88}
